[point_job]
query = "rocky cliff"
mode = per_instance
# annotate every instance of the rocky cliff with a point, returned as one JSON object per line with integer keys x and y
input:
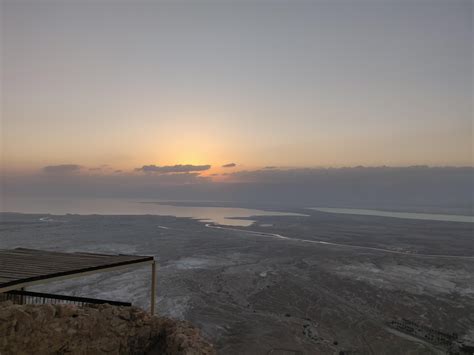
{"x": 100, "y": 329}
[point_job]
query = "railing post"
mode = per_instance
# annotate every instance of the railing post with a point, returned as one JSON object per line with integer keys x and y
{"x": 22, "y": 297}
{"x": 153, "y": 287}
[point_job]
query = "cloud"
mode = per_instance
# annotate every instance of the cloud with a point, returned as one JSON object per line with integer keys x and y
{"x": 382, "y": 187}
{"x": 230, "y": 165}
{"x": 270, "y": 167}
{"x": 102, "y": 168}
{"x": 62, "y": 169}
{"x": 349, "y": 175}
{"x": 172, "y": 168}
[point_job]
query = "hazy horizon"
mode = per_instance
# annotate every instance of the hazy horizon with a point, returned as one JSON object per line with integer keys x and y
{"x": 418, "y": 188}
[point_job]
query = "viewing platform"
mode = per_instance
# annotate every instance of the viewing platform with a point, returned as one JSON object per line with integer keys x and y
{"x": 21, "y": 268}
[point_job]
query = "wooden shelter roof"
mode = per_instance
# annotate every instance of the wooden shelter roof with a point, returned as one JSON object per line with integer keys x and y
{"x": 24, "y": 267}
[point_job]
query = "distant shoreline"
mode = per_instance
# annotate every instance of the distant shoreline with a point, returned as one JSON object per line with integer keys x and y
{"x": 401, "y": 215}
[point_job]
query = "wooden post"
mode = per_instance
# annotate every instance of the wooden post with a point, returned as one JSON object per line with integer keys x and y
{"x": 153, "y": 287}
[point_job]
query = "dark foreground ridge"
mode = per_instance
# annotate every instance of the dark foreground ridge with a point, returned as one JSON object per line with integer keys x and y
{"x": 98, "y": 329}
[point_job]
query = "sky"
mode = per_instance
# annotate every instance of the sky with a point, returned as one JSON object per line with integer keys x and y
{"x": 255, "y": 83}
{"x": 184, "y": 92}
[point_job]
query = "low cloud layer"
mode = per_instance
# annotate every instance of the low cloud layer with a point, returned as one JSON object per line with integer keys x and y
{"x": 420, "y": 188}
{"x": 447, "y": 188}
{"x": 172, "y": 168}
{"x": 353, "y": 176}
{"x": 230, "y": 165}
{"x": 62, "y": 169}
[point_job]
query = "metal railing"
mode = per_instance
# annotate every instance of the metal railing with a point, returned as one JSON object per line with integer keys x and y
{"x": 28, "y": 297}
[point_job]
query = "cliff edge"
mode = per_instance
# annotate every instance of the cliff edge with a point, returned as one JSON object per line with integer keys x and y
{"x": 95, "y": 329}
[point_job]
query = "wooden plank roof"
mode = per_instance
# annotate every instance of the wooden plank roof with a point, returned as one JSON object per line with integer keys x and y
{"x": 22, "y": 267}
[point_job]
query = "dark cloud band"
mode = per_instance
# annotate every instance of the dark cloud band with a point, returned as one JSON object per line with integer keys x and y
{"x": 230, "y": 165}
{"x": 172, "y": 168}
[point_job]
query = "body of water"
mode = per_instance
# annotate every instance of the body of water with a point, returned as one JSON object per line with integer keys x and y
{"x": 409, "y": 215}
{"x": 219, "y": 215}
